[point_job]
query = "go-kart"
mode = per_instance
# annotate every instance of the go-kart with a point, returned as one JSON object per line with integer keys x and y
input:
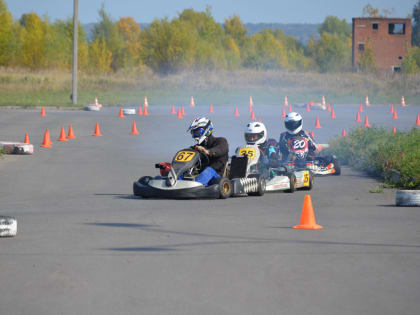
{"x": 279, "y": 177}
{"x": 300, "y": 158}
{"x": 177, "y": 180}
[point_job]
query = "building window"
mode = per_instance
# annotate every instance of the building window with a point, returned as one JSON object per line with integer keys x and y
{"x": 396, "y": 69}
{"x": 361, "y": 47}
{"x": 375, "y": 26}
{"x": 396, "y": 28}
{"x": 399, "y": 57}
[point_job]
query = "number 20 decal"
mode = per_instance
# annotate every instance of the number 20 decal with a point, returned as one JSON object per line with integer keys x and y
{"x": 299, "y": 144}
{"x": 184, "y": 156}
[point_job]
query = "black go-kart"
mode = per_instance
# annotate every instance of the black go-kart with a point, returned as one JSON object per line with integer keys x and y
{"x": 177, "y": 179}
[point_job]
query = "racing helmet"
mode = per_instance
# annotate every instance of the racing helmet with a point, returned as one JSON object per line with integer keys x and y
{"x": 255, "y": 133}
{"x": 200, "y": 129}
{"x": 293, "y": 123}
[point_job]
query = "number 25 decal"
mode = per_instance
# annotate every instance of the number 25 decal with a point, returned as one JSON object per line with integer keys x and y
{"x": 184, "y": 156}
{"x": 249, "y": 152}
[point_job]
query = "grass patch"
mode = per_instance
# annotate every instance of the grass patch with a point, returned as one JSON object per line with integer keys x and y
{"x": 377, "y": 190}
{"x": 382, "y": 153}
{"x": 21, "y": 87}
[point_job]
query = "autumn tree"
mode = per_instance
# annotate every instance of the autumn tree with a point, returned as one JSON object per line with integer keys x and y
{"x": 34, "y": 44}
{"x": 100, "y": 57}
{"x": 6, "y": 35}
{"x": 416, "y": 25}
{"x": 131, "y": 50}
{"x": 235, "y": 29}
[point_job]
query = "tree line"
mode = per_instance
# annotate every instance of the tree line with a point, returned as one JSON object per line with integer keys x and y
{"x": 191, "y": 41}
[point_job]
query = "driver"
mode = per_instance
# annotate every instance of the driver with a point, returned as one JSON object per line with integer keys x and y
{"x": 293, "y": 124}
{"x": 216, "y": 148}
{"x": 256, "y": 134}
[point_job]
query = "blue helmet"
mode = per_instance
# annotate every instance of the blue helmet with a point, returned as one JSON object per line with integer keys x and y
{"x": 200, "y": 129}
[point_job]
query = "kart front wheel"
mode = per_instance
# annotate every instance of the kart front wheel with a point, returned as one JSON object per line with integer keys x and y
{"x": 261, "y": 185}
{"x": 225, "y": 188}
{"x": 337, "y": 166}
{"x": 145, "y": 180}
{"x": 293, "y": 183}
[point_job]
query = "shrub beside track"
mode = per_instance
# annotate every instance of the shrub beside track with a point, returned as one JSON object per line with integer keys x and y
{"x": 382, "y": 153}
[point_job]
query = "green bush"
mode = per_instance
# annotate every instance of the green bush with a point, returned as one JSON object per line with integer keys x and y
{"x": 377, "y": 151}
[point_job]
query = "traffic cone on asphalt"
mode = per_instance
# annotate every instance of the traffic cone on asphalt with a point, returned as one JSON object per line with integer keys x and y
{"x": 286, "y": 103}
{"x": 308, "y": 107}
{"x": 173, "y": 111}
{"x": 236, "y": 113}
{"x": 290, "y": 108}
{"x": 252, "y": 115}
{"x": 97, "y": 132}
{"x": 26, "y": 141}
{"x": 251, "y": 102}
{"x": 323, "y": 102}
{"x": 395, "y": 116}
{"x": 418, "y": 120}
{"x": 343, "y": 133}
{"x": 402, "y": 101}
{"x": 43, "y": 112}
{"x": 366, "y": 124}
{"x": 47, "y": 143}
{"x": 121, "y": 115}
{"x": 329, "y": 107}
{"x": 70, "y": 134}
{"x": 358, "y": 117}
{"x": 146, "y": 103}
{"x": 307, "y": 218}
{"x": 62, "y": 135}
{"x": 192, "y": 102}
{"x": 394, "y": 130}
{"x": 317, "y": 124}
{"x": 332, "y": 113}
{"x": 134, "y": 130}
{"x": 367, "y": 101}
{"x": 140, "y": 111}
{"x": 179, "y": 115}
{"x": 361, "y": 108}
{"x": 146, "y": 111}
{"x": 211, "y": 108}
{"x": 391, "y": 110}
{"x": 182, "y": 110}
{"x": 283, "y": 113}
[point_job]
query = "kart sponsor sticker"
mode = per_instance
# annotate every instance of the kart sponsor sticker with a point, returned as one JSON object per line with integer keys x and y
{"x": 247, "y": 151}
{"x": 306, "y": 179}
{"x": 184, "y": 156}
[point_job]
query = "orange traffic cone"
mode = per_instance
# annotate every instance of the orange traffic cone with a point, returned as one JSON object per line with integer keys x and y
{"x": 43, "y": 112}
{"x": 26, "y": 141}
{"x": 308, "y": 107}
{"x": 211, "y": 108}
{"x": 343, "y": 133}
{"x": 121, "y": 115}
{"x": 62, "y": 135}
{"x": 286, "y": 103}
{"x": 47, "y": 143}
{"x": 252, "y": 115}
{"x": 290, "y": 108}
{"x": 283, "y": 113}
{"x": 146, "y": 111}
{"x": 402, "y": 101}
{"x": 358, "y": 117}
{"x": 179, "y": 115}
{"x": 332, "y": 113}
{"x": 361, "y": 108}
{"x": 323, "y": 101}
{"x": 146, "y": 104}
{"x": 418, "y": 120}
{"x": 366, "y": 124}
{"x": 317, "y": 124}
{"x": 70, "y": 134}
{"x": 192, "y": 102}
{"x": 140, "y": 111}
{"x": 251, "y": 102}
{"x": 236, "y": 113}
{"x": 394, "y": 130}
{"x": 134, "y": 130}
{"x": 367, "y": 101}
{"x": 97, "y": 132}
{"x": 307, "y": 218}
{"x": 329, "y": 107}
{"x": 173, "y": 111}
{"x": 391, "y": 110}
{"x": 182, "y": 110}
{"x": 395, "y": 116}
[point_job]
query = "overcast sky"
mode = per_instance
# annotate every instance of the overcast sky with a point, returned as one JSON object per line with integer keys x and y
{"x": 257, "y": 11}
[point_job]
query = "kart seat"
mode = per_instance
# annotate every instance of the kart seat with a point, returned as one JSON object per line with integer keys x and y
{"x": 238, "y": 166}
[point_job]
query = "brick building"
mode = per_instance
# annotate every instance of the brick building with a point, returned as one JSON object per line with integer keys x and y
{"x": 388, "y": 38}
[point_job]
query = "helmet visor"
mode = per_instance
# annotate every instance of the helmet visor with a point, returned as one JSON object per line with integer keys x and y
{"x": 253, "y": 137}
{"x": 197, "y": 133}
{"x": 293, "y": 124}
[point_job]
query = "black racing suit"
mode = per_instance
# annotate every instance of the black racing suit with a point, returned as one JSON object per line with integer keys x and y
{"x": 284, "y": 145}
{"x": 219, "y": 153}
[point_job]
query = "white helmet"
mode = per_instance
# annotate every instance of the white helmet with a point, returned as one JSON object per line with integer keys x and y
{"x": 293, "y": 123}
{"x": 200, "y": 129}
{"x": 255, "y": 133}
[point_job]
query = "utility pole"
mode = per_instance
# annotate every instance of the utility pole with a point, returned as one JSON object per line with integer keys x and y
{"x": 75, "y": 41}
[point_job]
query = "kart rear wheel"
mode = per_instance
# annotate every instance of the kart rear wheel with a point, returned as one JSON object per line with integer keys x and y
{"x": 225, "y": 188}
{"x": 337, "y": 166}
{"x": 293, "y": 183}
{"x": 261, "y": 185}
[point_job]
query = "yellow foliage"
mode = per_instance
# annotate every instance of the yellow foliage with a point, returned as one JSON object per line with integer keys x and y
{"x": 100, "y": 56}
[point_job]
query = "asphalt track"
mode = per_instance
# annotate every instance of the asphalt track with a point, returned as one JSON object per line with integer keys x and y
{"x": 85, "y": 245}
